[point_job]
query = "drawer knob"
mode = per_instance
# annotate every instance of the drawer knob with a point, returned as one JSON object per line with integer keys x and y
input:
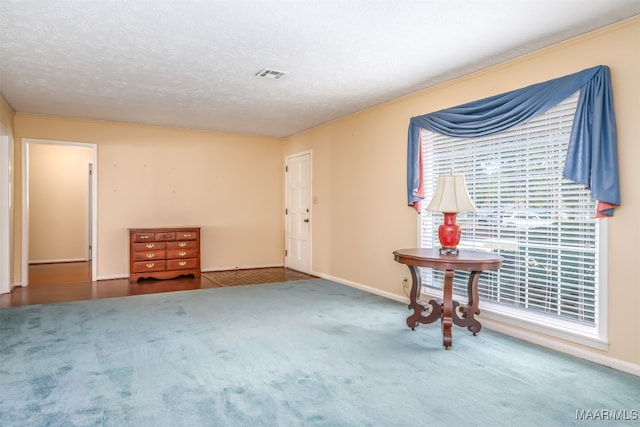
{"x": 144, "y": 237}
{"x": 151, "y": 255}
{"x": 187, "y": 235}
{"x": 182, "y": 253}
{"x": 182, "y": 263}
{"x": 150, "y": 264}
{"x": 182, "y": 244}
{"x": 150, "y": 245}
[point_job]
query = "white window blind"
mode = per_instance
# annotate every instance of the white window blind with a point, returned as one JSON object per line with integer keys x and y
{"x": 541, "y": 223}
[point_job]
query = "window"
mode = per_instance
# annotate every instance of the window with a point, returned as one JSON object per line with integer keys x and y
{"x": 542, "y": 224}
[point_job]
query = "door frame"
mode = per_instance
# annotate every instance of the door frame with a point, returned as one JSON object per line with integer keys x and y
{"x": 26, "y": 143}
{"x": 6, "y": 214}
{"x": 308, "y": 153}
{"x": 90, "y": 222}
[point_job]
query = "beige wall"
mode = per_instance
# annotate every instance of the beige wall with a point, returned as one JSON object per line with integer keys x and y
{"x": 359, "y": 165}
{"x": 230, "y": 185}
{"x": 58, "y": 202}
{"x": 6, "y": 116}
{"x": 6, "y": 129}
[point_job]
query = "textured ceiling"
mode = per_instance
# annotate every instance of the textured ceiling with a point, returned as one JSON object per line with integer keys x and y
{"x": 192, "y": 64}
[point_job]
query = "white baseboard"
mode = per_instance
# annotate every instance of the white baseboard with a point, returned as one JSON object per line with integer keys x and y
{"x": 362, "y": 287}
{"x": 562, "y": 347}
{"x": 112, "y": 277}
{"x": 56, "y": 261}
{"x": 540, "y": 340}
{"x": 12, "y": 286}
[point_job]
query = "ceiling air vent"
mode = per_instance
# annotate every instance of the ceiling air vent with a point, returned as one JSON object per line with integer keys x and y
{"x": 269, "y": 73}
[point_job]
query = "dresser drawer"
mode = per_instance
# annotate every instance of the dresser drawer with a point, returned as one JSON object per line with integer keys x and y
{"x": 182, "y": 264}
{"x": 144, "y": 237}
{"x": 148, "y": 255}
{"x": 165, "y": 236}
{"x": 189, "y": 244}
{"x": 146, "y": 266}
{"x": 182, "y": 253}
{"x": 186, "y": 235}
{"x": 151, "y": 246}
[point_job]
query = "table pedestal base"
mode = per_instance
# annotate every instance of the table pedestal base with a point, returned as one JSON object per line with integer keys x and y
{"x": 448, "y": 311}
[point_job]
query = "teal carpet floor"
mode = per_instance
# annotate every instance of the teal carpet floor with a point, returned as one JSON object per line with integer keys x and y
{"x": 305, "y": 353}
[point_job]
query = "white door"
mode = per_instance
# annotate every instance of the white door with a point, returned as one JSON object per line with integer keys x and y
{"x": 298, "y": 212}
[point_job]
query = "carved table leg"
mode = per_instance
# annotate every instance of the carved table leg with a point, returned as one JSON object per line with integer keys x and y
{"x": 417, "y": 316}
{"x": 471, "y": 309}
{"x": 447, "y": 309}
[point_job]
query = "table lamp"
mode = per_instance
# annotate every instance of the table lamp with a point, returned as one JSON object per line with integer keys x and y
{"x": 451, "y": 196}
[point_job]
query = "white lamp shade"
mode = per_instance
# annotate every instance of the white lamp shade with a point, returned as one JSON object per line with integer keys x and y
{"x": 451, "y": 195}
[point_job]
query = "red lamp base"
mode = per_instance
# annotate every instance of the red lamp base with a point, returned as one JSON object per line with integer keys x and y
{"x": 449, "y": 233}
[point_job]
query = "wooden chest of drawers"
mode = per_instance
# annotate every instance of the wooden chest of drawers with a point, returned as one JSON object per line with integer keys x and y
{"x": 163, "y": 253}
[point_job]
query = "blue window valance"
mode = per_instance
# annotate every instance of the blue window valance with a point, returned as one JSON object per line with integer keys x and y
{"x": 592, "y": 157}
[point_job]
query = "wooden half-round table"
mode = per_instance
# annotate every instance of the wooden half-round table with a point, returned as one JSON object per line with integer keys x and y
{"x": 448, "y": 311}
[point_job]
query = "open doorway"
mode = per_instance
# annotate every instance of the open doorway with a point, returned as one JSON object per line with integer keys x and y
{"x": 59, "y": 204}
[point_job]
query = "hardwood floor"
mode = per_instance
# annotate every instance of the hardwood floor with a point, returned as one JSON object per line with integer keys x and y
{"x": 51, "y": 283}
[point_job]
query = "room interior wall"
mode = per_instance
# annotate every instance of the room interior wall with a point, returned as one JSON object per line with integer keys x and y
{"x": 359, "y": 209}
{"x": 6, "y": 115}
{"x": 361, "y": 215}
{"x": 229, "y": 185}
{"x": 58, "y": 202}
{"x": 6, "y": 266}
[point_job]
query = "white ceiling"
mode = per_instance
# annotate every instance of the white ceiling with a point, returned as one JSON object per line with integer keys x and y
{"x": 192, "y": 64}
